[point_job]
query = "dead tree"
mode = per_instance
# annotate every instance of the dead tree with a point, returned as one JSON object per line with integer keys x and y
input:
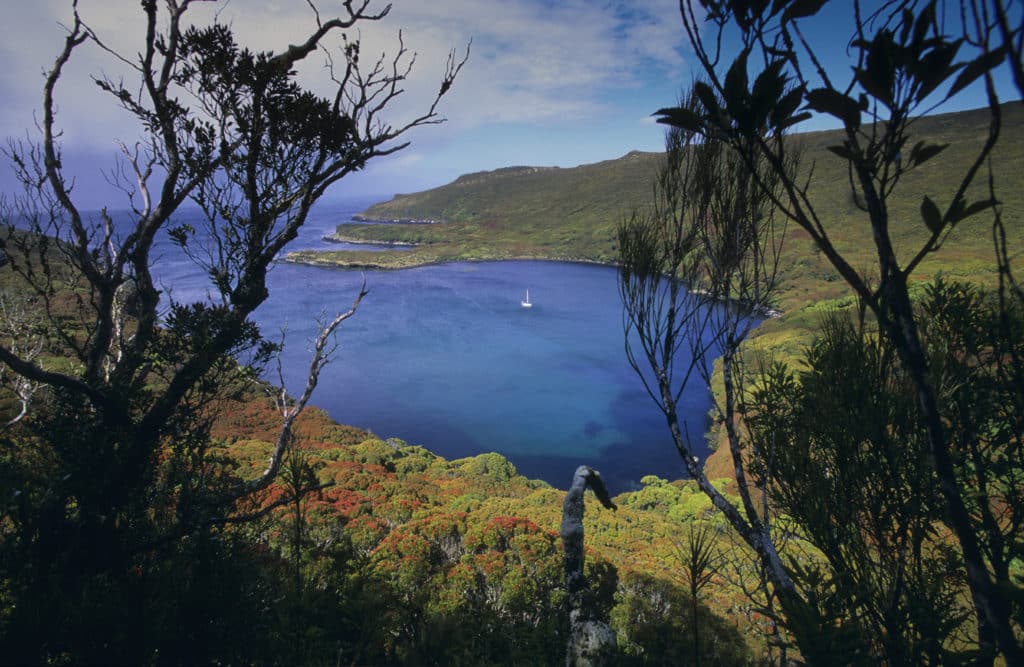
{"x": 591, "y": 641}
{"x": 229, "y": 130}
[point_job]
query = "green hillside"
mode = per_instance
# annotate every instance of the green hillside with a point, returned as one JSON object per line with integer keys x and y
{"x": 515, "y": 212}
{"x": 571, "y": 214}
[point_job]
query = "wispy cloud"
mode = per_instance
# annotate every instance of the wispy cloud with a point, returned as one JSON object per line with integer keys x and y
{"x": 532, "y": 61}
{"x": 548, "y": 82}
{"x": 536, "y": 62}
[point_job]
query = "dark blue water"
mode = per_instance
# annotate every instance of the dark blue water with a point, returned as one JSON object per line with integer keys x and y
{"x": 446, "y": 357}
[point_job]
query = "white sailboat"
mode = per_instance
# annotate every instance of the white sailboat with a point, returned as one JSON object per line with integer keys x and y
{"x": 526, "y": 303}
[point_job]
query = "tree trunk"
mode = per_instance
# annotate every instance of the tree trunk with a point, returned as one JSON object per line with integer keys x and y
{"x": 591, "y": 642}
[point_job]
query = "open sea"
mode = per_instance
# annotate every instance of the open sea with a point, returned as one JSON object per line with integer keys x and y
{"x": 446, "y": 357}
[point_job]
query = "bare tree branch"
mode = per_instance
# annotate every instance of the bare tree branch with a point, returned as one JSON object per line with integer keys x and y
{"x": 290, "y": 411}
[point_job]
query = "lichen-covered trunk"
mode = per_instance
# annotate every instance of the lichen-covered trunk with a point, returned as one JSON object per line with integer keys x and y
{"x": 591, "y": 642}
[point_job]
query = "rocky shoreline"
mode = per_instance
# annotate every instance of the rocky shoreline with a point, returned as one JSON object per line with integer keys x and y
{"x": 338, "y": 259}
{"x": 359, "y": 217}
{"x": 338, "y": 238}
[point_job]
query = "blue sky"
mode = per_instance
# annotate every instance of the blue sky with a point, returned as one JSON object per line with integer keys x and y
{"x": 549, "y": 82}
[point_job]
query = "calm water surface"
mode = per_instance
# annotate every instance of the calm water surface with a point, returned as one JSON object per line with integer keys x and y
{"x": 445, "y": 357}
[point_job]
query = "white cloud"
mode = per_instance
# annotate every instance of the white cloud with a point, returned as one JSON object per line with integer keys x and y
{"x": 530, "y": 62}
{"x": 547, "y": 82}
{"x": 407, "y": 159}
{"x": 535, "y": 63}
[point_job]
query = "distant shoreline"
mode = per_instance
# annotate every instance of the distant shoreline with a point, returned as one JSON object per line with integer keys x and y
{"x": 315, "y": 258}
{"x": 338, "y": 238}
{"x": 362, "y": 265}
{"x": 359, "y": 217}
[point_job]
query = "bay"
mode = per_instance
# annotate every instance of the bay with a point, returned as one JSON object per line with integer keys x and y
{"x": 445, "y": 357}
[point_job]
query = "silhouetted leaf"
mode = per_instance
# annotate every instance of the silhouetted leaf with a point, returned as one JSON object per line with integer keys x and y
{"x": 834, "y": 103}
{"x": 735, "y": 89}
{"x": 802, "y": 8}
{"x": 793, "y": 120}
{"x": 977, "y": 68}
{"x": 962, "y": 212}
{"x": 767, "y": 91}
{"x": 863, "y": 77}
{"x": 931, "y": 215}
{"x": 906, "y": 24}
{"x": 705, "y": 94}
{"x": 786, "y": 107}
{"x": 925, "y": 20}
{"x": 935, "y": 68}
{"x": 879, "y": 75}
{"x": 682, "y": 118}
{"x": 922, "y": 152}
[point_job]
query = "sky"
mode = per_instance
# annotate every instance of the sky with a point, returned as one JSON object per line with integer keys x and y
{"x": 548, "y": 82}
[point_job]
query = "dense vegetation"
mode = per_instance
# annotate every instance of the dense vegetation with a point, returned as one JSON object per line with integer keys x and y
{"x": 414, "y": 558}
{"x": 942, "y": 454}
{"x": 931, "y": 550}
{"x": 161, "y": 504}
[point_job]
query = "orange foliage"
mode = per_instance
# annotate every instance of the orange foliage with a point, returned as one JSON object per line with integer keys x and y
{"x": 471, "y": 528}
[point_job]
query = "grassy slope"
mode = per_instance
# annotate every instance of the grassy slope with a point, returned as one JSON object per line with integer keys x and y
{"x": 808, "y": 283}
{"x": 571, "y": 214}
{"x": 517, "y": 212}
